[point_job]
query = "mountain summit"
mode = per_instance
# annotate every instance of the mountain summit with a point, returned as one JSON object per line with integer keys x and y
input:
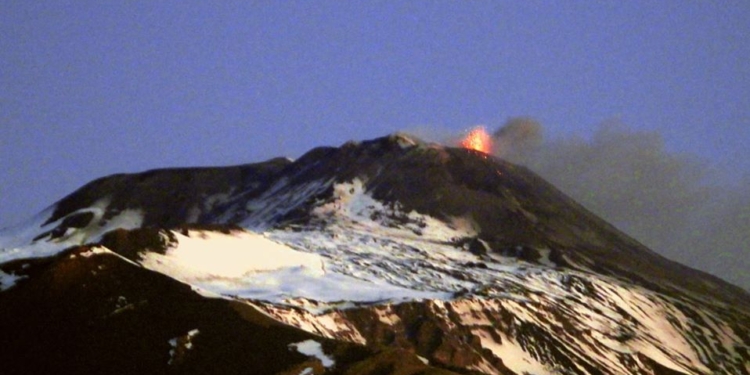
{"x": 389, "y": 256}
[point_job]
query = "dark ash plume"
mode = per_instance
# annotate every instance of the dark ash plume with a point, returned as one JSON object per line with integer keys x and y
{"x": 670, "y": 202}
{"x": 518, "y": 138}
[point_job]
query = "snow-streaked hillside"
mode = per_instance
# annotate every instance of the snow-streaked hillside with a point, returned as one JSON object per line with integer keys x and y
{"x": 503, "y": 279}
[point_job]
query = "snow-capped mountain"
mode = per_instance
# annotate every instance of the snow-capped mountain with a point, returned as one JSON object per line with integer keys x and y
{"x": 390, "y": 256}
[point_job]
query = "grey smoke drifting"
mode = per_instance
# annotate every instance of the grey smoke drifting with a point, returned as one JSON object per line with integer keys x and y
{"x": 667, "y": 201}
{"x": 518, "y": 138}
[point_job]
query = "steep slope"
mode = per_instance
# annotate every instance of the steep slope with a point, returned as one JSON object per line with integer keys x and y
{"x": 89, "y": 310}
{"x": 385, "y": 246}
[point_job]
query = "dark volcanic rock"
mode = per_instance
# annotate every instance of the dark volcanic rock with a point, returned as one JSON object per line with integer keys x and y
{"x": 168, "y": 195}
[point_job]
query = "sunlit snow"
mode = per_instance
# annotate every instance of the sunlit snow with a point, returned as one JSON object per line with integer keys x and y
{"x": 313, "y": 348}
{"x": 249, "y": 265}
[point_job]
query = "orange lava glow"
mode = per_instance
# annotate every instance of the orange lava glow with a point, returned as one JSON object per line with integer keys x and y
{"x": 478, "y": 139}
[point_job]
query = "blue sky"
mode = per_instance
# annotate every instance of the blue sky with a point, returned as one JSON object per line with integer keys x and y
{"x": 93, "y": 88}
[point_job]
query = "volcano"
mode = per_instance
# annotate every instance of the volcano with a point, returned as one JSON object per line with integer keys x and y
{"x": 387, "y": 256}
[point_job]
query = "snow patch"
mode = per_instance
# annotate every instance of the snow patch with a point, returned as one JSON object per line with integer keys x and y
{"x": 512, "y": 354}
{"x": 95, "y": 251}
{"x": 18, "y": 242}
{"x": 544, "y": 258}
{"x": 313, "y": 348}
{"x": 211, "y": 255}
{"x": 35, "y": 250}
{"x": 386, "y": 316}
{"x": 278, "y": 200}
{"x": 332, "y": 324}
{"x": 180, "y": 345}
{"x": 352, "y": 204}
{"x": 23, "y": 233}
{"x": 8, "y": 280}
{"x": 404, "y": 140}
{"x": 127, "y": 219}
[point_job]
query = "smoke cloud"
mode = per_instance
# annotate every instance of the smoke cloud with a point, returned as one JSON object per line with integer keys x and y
{"x": 672, "y": 203}
{"x": 519, "y": 138}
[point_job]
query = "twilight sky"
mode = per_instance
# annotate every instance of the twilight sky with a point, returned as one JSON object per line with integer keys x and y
{"x": 89, "y": 89}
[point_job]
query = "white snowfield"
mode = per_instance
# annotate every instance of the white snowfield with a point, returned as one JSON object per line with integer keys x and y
{"x": 357, "y": 251}
{"x": 313, "y": 348}
{"x": 249, "y": 265}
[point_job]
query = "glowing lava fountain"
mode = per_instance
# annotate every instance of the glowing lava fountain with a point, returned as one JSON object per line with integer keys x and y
{"x": 478, "y": 139}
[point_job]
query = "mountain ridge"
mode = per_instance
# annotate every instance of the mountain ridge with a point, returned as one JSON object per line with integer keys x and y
{"x": 462, "y": 261}
{"x": 169, "y": 208}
